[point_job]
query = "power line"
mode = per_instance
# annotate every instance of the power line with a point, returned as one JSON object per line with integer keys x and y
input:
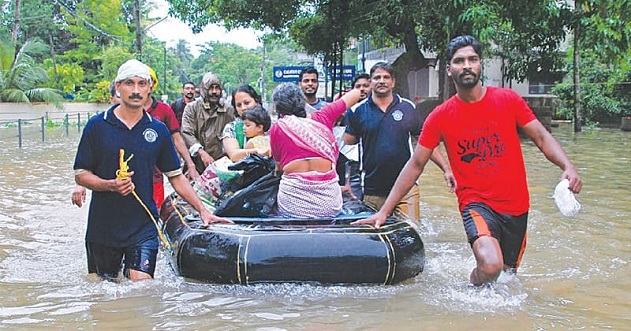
{"x": 92, "y": 26}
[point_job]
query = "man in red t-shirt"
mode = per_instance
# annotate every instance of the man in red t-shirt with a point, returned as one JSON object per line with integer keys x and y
{"x": 164, "y": 113}
{"x": 479, "y": 129}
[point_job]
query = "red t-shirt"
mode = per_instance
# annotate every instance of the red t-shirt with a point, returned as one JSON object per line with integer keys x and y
{"x": 165, "y": 114}
{"x": 484, "y": 148}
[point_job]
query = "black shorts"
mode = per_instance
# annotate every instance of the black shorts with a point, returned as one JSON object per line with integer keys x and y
{"x": 107, "y": 261}
{"x": 510, "y": 231}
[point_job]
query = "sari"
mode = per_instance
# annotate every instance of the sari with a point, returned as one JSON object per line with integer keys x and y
{"x": 310, "y": 194}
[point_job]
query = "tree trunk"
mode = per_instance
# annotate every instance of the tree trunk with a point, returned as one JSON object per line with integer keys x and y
{"x": 577, "y": 78}
{"x": 16, "y": 22}
{"x": 52, "y": 56}
{"x": 411, "y": 60}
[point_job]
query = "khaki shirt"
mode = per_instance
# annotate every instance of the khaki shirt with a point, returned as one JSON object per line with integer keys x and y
{"x": 202, "y": 124}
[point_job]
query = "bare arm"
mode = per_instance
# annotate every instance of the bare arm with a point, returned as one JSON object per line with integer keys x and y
{"x": 408, "y": 176}
{"x": 553, "y": 152}
{"x": 351, "y": 97}
{"x": 180, "y": 146}
{"x": 350, "y": 139}
{"x": 95, "y": 183}
{"x": 439, "y": 160}
{"x": 185, "y": 190}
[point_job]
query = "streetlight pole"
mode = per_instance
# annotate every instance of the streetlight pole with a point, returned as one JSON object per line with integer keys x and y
{"x": 263, "y": 73}
{"x": 138, "y": 29}
{"x": 164, "y": 89}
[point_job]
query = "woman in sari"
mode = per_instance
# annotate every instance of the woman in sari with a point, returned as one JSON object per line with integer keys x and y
{"x": 305, "y": 151}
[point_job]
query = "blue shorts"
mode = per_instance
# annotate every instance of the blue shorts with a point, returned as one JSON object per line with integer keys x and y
{"x": 106, "y": 261}
{"x": 510, "y": 231}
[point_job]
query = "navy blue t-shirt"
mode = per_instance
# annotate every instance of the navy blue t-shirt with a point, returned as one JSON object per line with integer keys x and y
{"x": 113, "y": 219}
{"x": 386, "y": 140}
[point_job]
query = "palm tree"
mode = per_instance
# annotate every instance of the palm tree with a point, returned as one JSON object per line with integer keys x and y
{"x": 20, "y": 79}
{"x": 183, "y": 52}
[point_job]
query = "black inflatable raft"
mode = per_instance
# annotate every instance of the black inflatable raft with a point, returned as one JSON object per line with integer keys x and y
{"x": 268, "y": 250}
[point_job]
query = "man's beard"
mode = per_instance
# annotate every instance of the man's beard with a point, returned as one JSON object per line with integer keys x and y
{"x": 309, "y": 95}
{"x": 189, "y": 95}
{"x": 468, "y": 84}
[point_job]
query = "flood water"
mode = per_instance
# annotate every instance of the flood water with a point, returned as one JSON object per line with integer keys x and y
{"x": 575, "y": 274}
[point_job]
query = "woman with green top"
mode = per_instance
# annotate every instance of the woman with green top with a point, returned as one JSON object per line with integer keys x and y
{"x": 233, "y": 139}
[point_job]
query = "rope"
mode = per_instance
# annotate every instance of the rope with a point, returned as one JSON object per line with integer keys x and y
{"x": 121, "y": 174}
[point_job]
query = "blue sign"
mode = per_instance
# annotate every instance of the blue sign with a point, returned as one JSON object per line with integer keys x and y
{"x": 348, "y": 72}
{"x": 287, "y": 73}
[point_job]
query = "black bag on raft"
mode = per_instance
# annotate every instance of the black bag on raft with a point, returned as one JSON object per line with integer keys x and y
{"x": 254, "y": 166}
{"x": 256, "y": 200}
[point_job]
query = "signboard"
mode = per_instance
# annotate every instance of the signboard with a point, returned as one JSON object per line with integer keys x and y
{"x": 292, "y": 73}
{"x": 287, "y": 73}
{"x": 348, "y": 72}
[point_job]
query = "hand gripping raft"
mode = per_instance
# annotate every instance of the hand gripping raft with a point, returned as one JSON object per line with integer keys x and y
{"x": 121, "y": 174}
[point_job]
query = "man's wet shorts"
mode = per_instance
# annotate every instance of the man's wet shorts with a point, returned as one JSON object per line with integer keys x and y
{"x": 106, "y": 261}
{"x": 479, "y": 220}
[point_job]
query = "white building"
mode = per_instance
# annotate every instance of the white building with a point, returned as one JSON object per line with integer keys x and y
{"x": 423, "y": 84}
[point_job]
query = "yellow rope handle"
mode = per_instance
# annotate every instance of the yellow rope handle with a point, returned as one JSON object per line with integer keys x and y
{"x": 121, "y": 174}
{"x": 123, "y": 169}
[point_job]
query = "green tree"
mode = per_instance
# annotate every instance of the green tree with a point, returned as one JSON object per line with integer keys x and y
{"x": 69, "y": 75}
{"x": 417, "y": 24}
{"x": 601, "y": 27}
{"x": 234, "y": 64}
{"x": 21, "y": 79}
{"x": 95, "y": 25}
{"x": 183, "y": 54}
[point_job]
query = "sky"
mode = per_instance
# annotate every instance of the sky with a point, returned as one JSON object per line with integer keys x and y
{"x": 172, "y": 29}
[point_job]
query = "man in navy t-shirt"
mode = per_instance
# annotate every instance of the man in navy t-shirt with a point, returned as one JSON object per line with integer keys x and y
{"x": 119, "y": 228}
{"x": 386, "y": 123}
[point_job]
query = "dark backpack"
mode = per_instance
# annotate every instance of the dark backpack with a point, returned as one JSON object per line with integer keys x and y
{"x": 256, "y": 200}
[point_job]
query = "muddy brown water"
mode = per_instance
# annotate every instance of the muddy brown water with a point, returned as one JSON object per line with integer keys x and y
{"x": 575, "y": 274}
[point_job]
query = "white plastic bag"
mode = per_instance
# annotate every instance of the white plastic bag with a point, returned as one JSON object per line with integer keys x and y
{"x": 565, "y": 200}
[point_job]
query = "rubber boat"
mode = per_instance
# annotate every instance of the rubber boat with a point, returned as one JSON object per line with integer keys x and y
{"x": 275, "y": 250}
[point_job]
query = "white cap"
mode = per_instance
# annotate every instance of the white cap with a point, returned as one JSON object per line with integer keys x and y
{"x": 133, "y": 68}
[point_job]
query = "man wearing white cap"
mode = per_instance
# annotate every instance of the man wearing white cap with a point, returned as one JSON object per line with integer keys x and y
{"x": 119, "y": 228}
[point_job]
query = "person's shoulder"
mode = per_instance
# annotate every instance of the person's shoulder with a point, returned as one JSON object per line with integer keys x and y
{"x": 163, "y": 104}
{"x": 157, "y": 123}
{"x": 103, "y": 117}
{"x": 502, "y": 91}
{"x": 404, "y": 101}
{"x": 198, "y": 102}
{"x": 445, "y": 106}
{"x": 359, "y": 105}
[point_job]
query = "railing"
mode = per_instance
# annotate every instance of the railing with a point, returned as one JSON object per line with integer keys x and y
{"x": 42, "y": 126}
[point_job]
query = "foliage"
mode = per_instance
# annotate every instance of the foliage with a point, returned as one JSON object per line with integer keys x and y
{"x": 37, "y": 19}
{"x": 101, "y": 91}
{"x": 601, "y": 87}
{"x": 233, "y": 64}
{"x": 95, "y": 25}
{"x": 527, "y": 33}
{"x": 69, "y": 75}
{"x": 183, "y": 56}
{"x": 21, "y": 80}
{"x": 111, "y": 58}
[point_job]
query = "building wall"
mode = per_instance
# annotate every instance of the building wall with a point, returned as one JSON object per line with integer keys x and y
{"x": 424, "y": 83}
{"x": 14, "y": 111}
